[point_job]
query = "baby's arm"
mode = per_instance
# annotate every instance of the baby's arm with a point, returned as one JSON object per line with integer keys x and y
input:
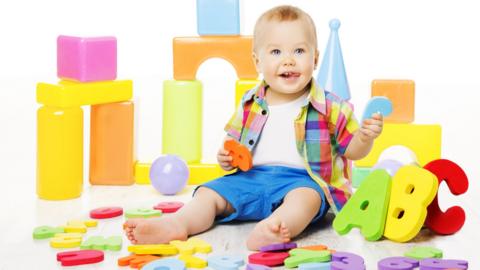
{"x": 362, "y": 140}
{"x": 223, "y": 158}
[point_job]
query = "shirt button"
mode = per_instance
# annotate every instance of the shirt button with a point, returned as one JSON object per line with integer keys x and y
{"x": 264, "y": 112}
{"x": 251, "y": 142}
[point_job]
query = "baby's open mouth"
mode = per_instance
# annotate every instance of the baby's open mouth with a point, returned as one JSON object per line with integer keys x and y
{"x": 289, "y": 75}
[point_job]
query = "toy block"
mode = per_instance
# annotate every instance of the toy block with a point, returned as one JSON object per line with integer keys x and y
{"x": 300, "y": 256}
{"x": 218, "y": 17}
{"x": 72, "y": 94}
{"x": 160, "y": 249}
{"x": 433, "y": 263}
{"x": 113, "y": 243}
{"x": 242, "y": 158}
{"x": 192, "y": 262}
{"x": 347, "y": 260}
{"x": 44, "y": 232}
{"x": 142, "y": 173}
{"x": 452, "y": 220}
{"x": 80, "y": 257}
{"x": 170, "y": 263}
{"x": 314, "y": 266}
{"x": 106, "y": 212}
{"x": 229, "y": 262}
{"x": 278, "y": 247}
{"x": 200, "y": 245}
{"x": 397, "y": 262}
{"x": 242, "y": 87}
{"x": 79, "y": 226}
{"x": 331, "y": 75}
{"x": 59, "y": 153}
{"x": 268, "y": 258}
{"x": 381, "y": 105}
{"x": 136, "y": 261}
{"x": 413, "y": 189}
{"x": 183, "y": 247}
{"x": 424, "y": 140}
{"x": 402, "y": 95}
{"x": 367, "y": 208}
{"x": 182, "y": 119}
{"x": 66, "y": 240}
{"x": 389, "y": 165}
{"x": 111, "y": 144}
{"x": 358, "y": 175}
{"x": 142, "y": 213}
{"x": 168, "y": 207}
{"x": 315, "y": 247}
{"x": 252, "y": 266}
{"x": 423, "y": 253}
{"x": 87, "y": 59}
{"x": 190, "y": 52}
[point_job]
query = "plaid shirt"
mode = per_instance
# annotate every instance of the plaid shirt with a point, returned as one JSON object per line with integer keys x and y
{"x": 323, "y": 129}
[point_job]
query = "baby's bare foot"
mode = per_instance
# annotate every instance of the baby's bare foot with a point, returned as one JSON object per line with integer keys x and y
{"x": 155, "y": 230}
{"x": 266, "y": 232}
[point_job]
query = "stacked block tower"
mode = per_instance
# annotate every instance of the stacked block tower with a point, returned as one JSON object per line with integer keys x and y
{"x": 87, "y": 68}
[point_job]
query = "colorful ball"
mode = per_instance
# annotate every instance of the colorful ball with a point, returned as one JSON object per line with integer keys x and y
{"x": 169, "y": 174}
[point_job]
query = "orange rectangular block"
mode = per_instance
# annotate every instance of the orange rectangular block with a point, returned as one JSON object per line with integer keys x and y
{"x": 402, "y": 95}
{"x": 190, "y": 52}
{"x": 111, "y": 144}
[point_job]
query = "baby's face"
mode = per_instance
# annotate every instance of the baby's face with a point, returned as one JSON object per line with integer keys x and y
{"x": 286, "y": 55}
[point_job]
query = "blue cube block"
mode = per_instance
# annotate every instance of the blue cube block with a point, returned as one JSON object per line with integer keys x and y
{"x": 218, "y": 17}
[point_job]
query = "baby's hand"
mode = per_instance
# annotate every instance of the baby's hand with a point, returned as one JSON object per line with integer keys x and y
{"x": 371, "y": 127}
{"x": 224, "y": 159}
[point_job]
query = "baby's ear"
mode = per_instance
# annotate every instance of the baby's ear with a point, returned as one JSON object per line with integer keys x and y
{"x": 317, "y": 53}
{"x": 256, "y": 61}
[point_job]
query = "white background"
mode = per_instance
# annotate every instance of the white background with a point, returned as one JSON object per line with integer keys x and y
{"x": 434, "y": 43}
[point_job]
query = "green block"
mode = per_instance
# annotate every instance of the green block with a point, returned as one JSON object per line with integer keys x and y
{"x": 44, "y": 232}
{"x": 182, "y": 119}
{"x": 142, "y": 213}
{"x": 299, "y": 256}
{"x": 420, "y": 253}
{"x": 358, "y": 175}
{"x": 367, "y": 208}
{"x": 113, "y": 243}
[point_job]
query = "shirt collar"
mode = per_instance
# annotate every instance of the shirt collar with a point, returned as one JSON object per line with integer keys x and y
{"x": 316, "y": 96}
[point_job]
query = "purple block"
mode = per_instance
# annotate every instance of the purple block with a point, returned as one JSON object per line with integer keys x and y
{"x": 397, "y": 263}
{"x": 87, "y": 59}
{"x": 279, "y": 247}
{"x": 347, "y": 261}
{"x": 438, "y": 264}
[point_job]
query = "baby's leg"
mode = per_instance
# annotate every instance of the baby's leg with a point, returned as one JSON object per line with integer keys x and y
{"x": 298, "y": 209}
{"x": 195, "y": 217}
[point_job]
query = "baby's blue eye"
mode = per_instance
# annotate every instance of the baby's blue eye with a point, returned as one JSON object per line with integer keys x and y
{"x": 275, "y": 52}
{"x": 299, "y": 51}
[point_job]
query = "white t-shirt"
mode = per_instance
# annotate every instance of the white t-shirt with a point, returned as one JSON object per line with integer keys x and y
{"x": 277, "y": 145}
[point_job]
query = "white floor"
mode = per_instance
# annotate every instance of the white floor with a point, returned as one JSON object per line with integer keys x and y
{"x": 22, "y": 212}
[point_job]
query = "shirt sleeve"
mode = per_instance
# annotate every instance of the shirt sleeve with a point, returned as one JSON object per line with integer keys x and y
{"x": 345, "y": 125}
{"x": 234, "y": 126}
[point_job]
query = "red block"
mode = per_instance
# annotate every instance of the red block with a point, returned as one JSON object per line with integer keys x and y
{"x": 71, "y": 258}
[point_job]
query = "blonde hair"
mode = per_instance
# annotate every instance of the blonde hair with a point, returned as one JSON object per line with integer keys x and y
{"x": 282, "y": 14}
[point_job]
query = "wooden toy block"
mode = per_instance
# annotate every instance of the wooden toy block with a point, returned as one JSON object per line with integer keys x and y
{"x": 299, "y": 256}
{"x": 136, "y": 261}
{"x": 424, "y": 140}
{"x": 413, "y": 189}
{"x": 191, "y": 261}
{"x": 402, "y": 95}
{"x": 278, "y": 247}
{"x": 347, "y": 260}
{"x": 314, "y": 266}
{"x": 44, "y": 232}
{"x": 142, "y": 213}
{"x": 381, "y": 105}
{"x": 190, "y": 52}
{"x": 80, "y": 257}
{"x": 170, "y": 263}
{"x": 200, "y": 245}
{"x": 358, "y": 175}
{"x": 111, "y": 144}
{"x": 452, "y": 220}
{"x": 397, "y": 263}
{"x": 72, "y": 94}
{"x": 242, "y": 158}
{"x": 59, "y": 153}
{"x": 182, "y": 119}
{"x": 168, "y": 207}
{"x": 106, "y": 212}
{"x": 87, "y": 59}
{"x": 367, "y": 208}
{"x": 161, "y": 249}
{"x": 113, "y": 243}
{"x": 252, "y": 266}
{"x": 268, "y": 258}
{"x": 66, "y": 240}
{"x": 423, "y": 253}
{"x": 225, "y": 262}
{"x": 433, "y": 263}
{"x": 218, "y": 17}
{"x": 142, "y": 173}
{"x": 241, "y": 87}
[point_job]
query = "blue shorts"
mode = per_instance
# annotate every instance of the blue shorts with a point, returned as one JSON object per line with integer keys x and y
{"x": 255, "y": 194}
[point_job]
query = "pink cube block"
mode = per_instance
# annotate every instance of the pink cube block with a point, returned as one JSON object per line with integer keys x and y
{"x": 87, "y": 59}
